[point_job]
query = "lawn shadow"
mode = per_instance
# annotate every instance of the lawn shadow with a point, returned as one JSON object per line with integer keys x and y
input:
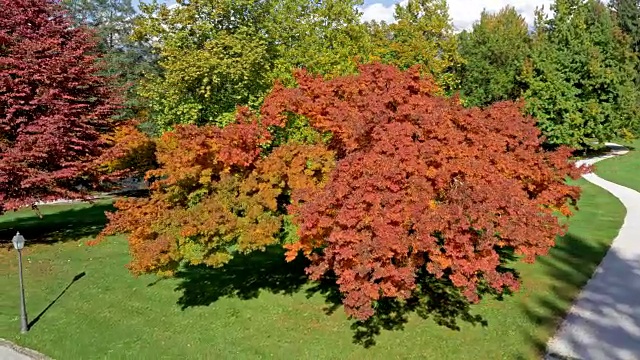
{"x": 65, "y": 225}
{"x": 571, "y": 264}
{"x": 41, "y": 314}
{"x": 246, "y": 276}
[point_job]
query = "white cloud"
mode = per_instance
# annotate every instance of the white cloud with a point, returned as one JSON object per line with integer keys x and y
{"x": 463, "y": 12}
{"x": 380, "y": 12}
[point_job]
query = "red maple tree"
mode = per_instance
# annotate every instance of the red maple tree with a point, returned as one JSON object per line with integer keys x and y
{"x": 421, "y": 183}
{"x": 54, "y": 105}
{"x": 408, "y": 190}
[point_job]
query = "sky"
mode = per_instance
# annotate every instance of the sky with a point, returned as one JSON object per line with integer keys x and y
{"x": 463, "y": 12}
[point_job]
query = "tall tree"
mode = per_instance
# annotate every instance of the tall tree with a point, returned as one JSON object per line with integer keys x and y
{"x": 580, "y": 79}
{"x": 54, "y": 107}
{"x": 126, "y": 59}
{"x": 495, "y": 52}
{"x": 627, "y": 13}
{"x": 628, "y": 16}
{"x": 216, "y": 54}
{"x": 113, "y": 19}
{"x": 423, "y": 35}
{"x": 325, "y": 37}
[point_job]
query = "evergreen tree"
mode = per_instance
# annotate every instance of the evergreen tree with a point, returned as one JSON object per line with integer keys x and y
{"x": 628, "y": 16}
{"x": 113, "y": 19}
{"x": 127, "y": 60}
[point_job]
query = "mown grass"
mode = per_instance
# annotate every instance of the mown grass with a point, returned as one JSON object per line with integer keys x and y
{"x": 623, "y": 170}
{"x": 260, "y": 307}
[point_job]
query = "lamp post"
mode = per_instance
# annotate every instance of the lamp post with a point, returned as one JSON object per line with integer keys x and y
{"x": 18, "y": 244}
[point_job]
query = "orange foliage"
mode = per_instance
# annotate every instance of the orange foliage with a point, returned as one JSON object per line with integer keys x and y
{"x": 215, "y": 195}
{"x": 132, "y": 153}
{"x": 422, "y": 182}
{"x": 409, "y": 185}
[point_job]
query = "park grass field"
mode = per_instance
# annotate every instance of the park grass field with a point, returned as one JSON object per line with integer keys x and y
{"x": 623, "y": 170}
{"x": 84, "y": 304}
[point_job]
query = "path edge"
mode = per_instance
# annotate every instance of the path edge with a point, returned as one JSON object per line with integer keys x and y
{"x": 616, "y": 150}
{"x": 23, "y": 351}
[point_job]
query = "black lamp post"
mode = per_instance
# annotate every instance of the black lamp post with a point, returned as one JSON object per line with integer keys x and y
{"x": 18, "y": 244}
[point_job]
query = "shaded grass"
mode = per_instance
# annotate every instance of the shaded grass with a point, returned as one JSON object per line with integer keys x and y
{"x": 262, "y": 307}
{"x": 623, "y": 170}
{"x": 60, "y": 222}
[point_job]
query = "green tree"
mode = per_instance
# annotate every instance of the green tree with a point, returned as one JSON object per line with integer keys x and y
{"x": 217, "y": 54}
{"x": 325, "y": 37}
{"x": 580, "y": 79}
{"x": 423, "y": 34}
{"x": 126, "y": 59}
{"x": 628, "y": 16}
{"x": 113, "y": 19}
{"x": 495, "y": 53}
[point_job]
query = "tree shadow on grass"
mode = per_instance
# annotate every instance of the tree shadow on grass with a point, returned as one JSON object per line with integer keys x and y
{"x": 571, "y": 264}
{"x": 65, "y": 225}
{"x": 246, "y": 276}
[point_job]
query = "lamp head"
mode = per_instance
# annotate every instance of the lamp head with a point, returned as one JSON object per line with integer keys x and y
{"x": 18, "y": 241}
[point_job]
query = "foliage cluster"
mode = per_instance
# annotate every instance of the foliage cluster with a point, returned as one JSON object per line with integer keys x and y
{"x": 54, "y": 107}
{"x": 126, "y": 60}
{"x": 581, "y": 77}
{"x": 495, "y": 53}
{"x": 410, "y": 186}
{"x": 212, "y": 60}
{"x": 576, "y": 70}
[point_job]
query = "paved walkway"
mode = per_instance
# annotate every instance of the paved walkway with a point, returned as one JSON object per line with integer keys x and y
{"x": 10, "y": 351}
{"x": 604, "y": 321}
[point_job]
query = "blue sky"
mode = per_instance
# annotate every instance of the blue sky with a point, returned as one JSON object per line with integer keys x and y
{"x": 463, "y": 12}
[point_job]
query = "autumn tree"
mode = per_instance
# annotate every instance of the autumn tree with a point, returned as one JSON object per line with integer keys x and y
{"x": 581, "y": 79}
{"x": 216, "y": 196}
{"x": 54, "y": 108}
{"x": 495, "y": 52}
{"x": 402, "y": 193}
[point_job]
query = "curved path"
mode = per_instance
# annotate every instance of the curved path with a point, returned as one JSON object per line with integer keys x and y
{"x": 604, "y": 321}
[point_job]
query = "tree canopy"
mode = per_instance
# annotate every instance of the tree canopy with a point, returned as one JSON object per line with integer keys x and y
{"x": 580, "y": 79}
{"x": 409, "y": 187}
{"x": 424, "y": 35}
{"x": 126, "y": 59}
{"x": 495, "y": 52}
{"x": 217, "y": 54}
{"x": 54, "y": 105}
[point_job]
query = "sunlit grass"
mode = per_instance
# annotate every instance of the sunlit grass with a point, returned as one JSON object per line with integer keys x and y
{"x": 260, "y": 309}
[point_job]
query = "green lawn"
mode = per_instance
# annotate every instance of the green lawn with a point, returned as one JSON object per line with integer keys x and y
{"x": 623, "y": 170}
{"x": 260, "y": 308}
